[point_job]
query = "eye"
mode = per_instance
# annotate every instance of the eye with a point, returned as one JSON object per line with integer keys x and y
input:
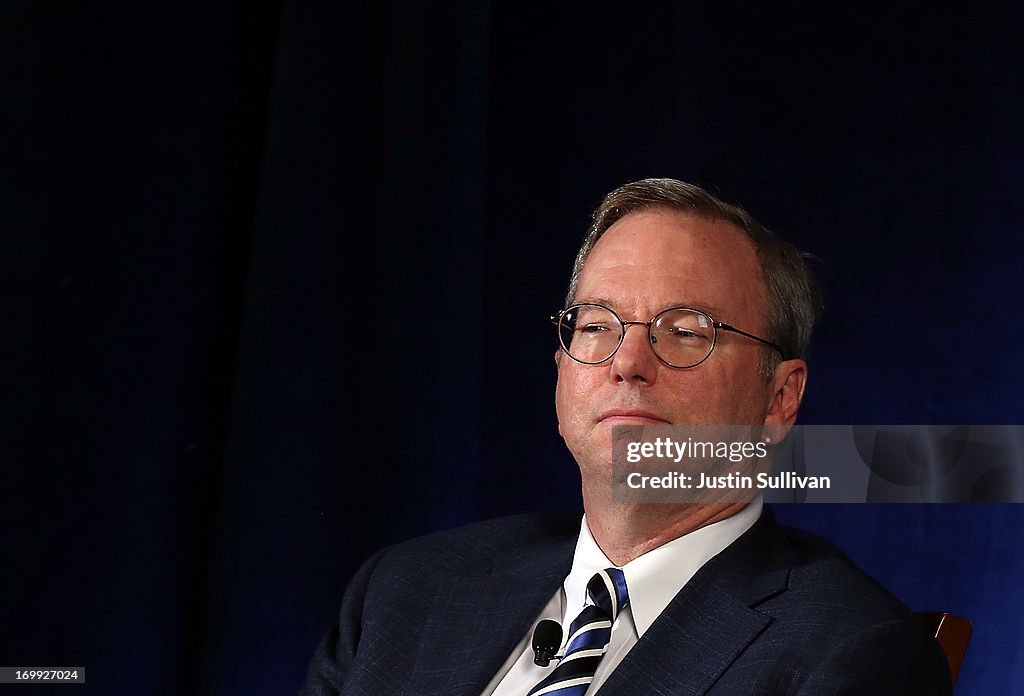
{"x": 684, "y": 334}
{"x": 593, "y": 328}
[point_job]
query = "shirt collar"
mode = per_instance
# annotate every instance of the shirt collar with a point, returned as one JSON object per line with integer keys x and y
{"x": 654, "y": 578}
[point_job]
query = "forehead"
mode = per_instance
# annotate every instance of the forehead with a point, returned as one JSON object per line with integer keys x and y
{"x": 658, "y": 257}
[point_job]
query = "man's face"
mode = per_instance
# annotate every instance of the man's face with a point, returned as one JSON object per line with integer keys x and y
{"x": 647, "y": 262}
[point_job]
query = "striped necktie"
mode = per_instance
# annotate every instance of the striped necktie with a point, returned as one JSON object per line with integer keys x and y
{"x": 588, "y": 637}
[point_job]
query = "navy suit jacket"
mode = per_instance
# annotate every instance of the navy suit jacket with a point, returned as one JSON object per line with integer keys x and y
{"x": 778, "y": 612}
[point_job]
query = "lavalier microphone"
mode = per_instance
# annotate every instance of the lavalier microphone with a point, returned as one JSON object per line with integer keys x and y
{"x": 547, "y": 638}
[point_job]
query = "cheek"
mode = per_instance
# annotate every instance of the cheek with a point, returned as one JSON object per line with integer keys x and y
{"x": 571, "y": 399}
{"x": 563, "y": 403}
{"x": 743, "y": 401}
{"x": 702, "y": 396}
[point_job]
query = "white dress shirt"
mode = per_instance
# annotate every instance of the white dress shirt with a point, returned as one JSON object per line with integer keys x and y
{"x": 652, "y": 580}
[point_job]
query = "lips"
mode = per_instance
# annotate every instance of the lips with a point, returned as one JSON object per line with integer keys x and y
{"x": 631, "y": 415}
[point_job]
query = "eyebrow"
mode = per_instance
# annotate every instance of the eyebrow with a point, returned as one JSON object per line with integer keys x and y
{"x": 611, "y": 304}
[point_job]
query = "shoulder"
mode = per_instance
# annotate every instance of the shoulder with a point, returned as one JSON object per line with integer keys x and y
{"x": 786, "y": 572}
{"x": 831, "y": 622}
{"x": 822, "y": 577}
{"x": 407, "y": 595}
{"x": 476, "y": 547}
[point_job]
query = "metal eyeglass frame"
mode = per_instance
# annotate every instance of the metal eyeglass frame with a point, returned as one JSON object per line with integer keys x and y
{"x": 556, "y": 319}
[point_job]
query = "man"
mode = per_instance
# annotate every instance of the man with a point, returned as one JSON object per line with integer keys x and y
{"x": 681, "y": 310}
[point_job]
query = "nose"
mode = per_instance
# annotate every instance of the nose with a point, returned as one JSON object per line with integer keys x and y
{"x": 635, "y": 362}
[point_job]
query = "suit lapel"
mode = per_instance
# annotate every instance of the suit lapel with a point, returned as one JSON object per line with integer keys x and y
{"x": 709, "y": 624}
{"x": 478, "y": 619}
{"x": 687, "y": 648}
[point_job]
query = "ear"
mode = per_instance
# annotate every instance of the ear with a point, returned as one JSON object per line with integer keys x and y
{"x": 786, "y": 393}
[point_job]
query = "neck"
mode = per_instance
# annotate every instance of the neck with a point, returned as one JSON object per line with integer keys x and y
{"x": 626, "y": 531}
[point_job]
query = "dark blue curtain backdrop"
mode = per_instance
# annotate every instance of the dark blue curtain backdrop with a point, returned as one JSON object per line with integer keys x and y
{"x": 261, "y": 262}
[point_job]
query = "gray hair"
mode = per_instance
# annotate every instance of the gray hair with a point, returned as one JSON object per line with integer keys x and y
{"x": 794, "y": 299}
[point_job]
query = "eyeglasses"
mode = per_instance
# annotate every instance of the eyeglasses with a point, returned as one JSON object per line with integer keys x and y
{"x": 679, "y": 336}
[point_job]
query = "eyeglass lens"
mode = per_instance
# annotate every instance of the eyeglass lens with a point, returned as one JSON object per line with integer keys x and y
{"x": 681, "y": 337}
